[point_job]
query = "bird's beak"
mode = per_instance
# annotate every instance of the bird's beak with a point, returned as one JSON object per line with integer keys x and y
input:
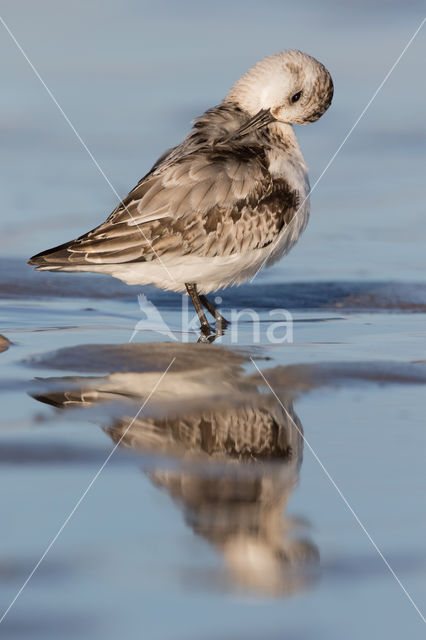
{"x": 260, "y": 120}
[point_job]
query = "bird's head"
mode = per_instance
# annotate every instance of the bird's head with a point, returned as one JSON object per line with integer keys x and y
{"x": 289, "y": 87}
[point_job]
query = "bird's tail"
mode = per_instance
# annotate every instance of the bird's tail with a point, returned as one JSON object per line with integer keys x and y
{"x": 56, "y": 257}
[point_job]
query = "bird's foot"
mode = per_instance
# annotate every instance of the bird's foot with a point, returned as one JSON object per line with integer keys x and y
{"x": 207, "y": 339}
{"x": 208, "y": 334}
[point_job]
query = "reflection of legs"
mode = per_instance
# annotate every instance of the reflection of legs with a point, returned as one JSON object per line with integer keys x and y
{"x": 193, "y": 294}
{"x": 223, "y": 323}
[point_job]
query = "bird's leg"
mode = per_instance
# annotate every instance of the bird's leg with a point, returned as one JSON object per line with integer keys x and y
{"x": 221, "y": 322}
{"x": 195, "y": 298}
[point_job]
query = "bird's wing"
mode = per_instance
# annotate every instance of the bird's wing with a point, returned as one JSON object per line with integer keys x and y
{"x": 214, "y": 201}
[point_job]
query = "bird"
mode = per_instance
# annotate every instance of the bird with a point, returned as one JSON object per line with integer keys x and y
{"x": 229, "y": 199}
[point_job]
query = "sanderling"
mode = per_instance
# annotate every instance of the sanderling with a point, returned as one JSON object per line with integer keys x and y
{"x": 234, "y": 195}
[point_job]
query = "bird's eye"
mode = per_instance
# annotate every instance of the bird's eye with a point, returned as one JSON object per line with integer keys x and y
{"x": 296, "y": 96}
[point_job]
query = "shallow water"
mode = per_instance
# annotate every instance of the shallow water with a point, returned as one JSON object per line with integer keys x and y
{"x": 240, "y": 502}
{"x": 213, "y": 508}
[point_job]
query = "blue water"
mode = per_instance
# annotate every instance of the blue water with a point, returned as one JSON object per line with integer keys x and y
{"x": 180, "y": 537}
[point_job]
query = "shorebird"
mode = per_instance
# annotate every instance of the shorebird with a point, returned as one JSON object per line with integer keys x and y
{"x": 233, "y": 196}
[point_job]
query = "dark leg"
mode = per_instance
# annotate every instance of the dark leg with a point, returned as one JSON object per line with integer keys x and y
{"x": 220, "y": 320}
{"x": 193, "y": 294}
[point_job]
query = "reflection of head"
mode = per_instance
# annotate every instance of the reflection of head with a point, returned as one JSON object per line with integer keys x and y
{"x": 237, "y": 506}
{"x": 242, "y": 516}
{"x": 240, "y": 453}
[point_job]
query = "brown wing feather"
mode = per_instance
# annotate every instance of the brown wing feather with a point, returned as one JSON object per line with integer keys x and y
{"x": 200, "y": 199}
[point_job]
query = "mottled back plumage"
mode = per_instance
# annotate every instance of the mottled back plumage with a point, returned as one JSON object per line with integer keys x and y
{"x": 205, "y": 198}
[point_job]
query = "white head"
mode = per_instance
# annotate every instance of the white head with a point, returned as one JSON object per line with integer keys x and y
{"x": 294, "y": 87}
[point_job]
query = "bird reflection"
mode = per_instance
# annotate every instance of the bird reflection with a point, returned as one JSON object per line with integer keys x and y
{"x": 236, "y": 453}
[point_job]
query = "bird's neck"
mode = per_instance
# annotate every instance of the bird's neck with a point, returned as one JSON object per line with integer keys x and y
{"x": 282, "y": 135}
{"x": 285, "y": 159}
